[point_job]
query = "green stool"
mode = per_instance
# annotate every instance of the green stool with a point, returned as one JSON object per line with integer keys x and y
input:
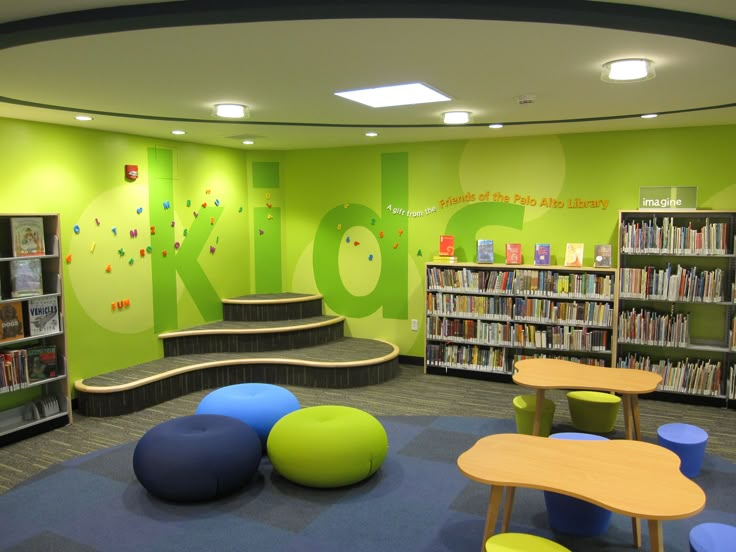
{"x": 524, "y": 409}
{"x": 593, "y": 411}
{"x": 521, "y": 542}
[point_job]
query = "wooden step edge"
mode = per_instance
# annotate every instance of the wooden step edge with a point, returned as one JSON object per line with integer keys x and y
{"x": 79, "y": 385}
{"x": 302, "y": 299}
{"x": 244, "y": 331}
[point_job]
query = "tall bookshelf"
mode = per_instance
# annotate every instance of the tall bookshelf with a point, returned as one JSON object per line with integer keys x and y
{"x": 34, "y": 391}
{"x": 677, "y": 301}
{"x": 481, "y": 318}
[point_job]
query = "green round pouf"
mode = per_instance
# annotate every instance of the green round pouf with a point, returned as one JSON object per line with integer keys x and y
{"x": 327, "y": 446}
{"x": 522, "y": 542}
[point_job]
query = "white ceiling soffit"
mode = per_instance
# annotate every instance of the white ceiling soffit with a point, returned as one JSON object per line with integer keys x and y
{"x": 147, "y": 68}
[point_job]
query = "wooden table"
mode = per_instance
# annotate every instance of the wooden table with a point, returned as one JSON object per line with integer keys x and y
{"x": 550, "y": 373}
{"x": 634, "y": 478}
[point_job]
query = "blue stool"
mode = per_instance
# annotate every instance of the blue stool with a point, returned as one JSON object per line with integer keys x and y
{"x": 712, "y": 537}
{"x": 688, "y": 442}
{"x": 572, "y": 516}
{"x": 260, "y": 405}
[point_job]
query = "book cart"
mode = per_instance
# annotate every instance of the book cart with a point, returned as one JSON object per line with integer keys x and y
{"x": 677, "y": 301}
{"x": 482, "y": 318}
{"x": 34, "y": 389}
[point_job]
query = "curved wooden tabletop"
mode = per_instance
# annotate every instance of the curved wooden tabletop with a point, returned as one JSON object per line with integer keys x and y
{"x": 633, "y": 478}
{"x": 552, "y": 373}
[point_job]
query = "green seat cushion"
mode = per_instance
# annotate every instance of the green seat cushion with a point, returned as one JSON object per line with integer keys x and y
{"x": 593, "y": 411}
{"x": 524, "y": 409}
{"x": 327, "y": 446}
{"x": 521, "y": 542}
{"x": 594, "y": 396}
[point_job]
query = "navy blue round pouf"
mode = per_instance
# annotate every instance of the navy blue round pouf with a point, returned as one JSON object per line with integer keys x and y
{"x": 260, "y": 405}
{"x": 195, "y": 458}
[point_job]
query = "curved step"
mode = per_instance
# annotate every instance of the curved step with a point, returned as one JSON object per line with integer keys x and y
{"x": 345, "y": 362}
{"x": 272, "y": 306}
{"x": 245, "y": 336}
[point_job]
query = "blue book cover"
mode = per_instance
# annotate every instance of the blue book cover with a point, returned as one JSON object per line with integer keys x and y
{"x": 485, "y": 251}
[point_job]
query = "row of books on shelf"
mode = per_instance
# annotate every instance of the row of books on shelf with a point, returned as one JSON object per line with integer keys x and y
{"x": 23, "y": 367}
{"x": 522, "y": 281}
{"x": 506, "y": 334}
{"x": 36, "y": 317}
{"x": 644, "y": 327}
{"x": 664, "y": 236}
{"x": 694, "y": 377}
{"x": 668, "y": 284}
{"x": 26, "y": 279}
{"x": 527, "y": 309}
{"x": 731, "y": 383}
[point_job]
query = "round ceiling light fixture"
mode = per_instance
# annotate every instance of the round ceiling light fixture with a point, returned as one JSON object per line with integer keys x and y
{"x": 628, "y": 70}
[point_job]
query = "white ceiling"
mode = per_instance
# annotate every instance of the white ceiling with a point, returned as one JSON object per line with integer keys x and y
{"x": 287, "y": 71}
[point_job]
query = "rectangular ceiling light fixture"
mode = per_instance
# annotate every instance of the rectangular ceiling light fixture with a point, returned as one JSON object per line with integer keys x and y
{"x": 399, "y": 94}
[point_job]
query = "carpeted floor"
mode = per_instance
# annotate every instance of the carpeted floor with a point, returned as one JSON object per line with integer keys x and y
{"x": 417, "y": 501}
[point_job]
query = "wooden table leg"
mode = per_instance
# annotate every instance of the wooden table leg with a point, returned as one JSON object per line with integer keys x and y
{"x": 656, "y": 542}
{"x": 636, "y": 530}
{"x": 508, "y": 507}
{"x": 494, "y": 506}
{"x": 628, "y": 415}
{"x": 538, "y": 408}
{"x": 635, "y": 416}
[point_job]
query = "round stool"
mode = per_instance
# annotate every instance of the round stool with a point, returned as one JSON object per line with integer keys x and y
{"x": 195, "y": 458}
{"x": 260, "y": 405}
{"x": 688, "y": 442}
{"x": 327, "y": 446}
{"x": 524, "y": 410}
{"x": 593, "y": 411}
{"x": 572, "y": 516}
{"x": 712, "y": 537}
{"x": 521, "y": 542}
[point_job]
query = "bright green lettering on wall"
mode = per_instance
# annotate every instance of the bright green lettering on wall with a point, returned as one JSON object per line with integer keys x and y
{"x": 391, "y": 291}
{"x": 267, "y": 249}
{"x": 183, "y": 261}
{"x": 265, "y": 174}
{"x": 464, "y": 224}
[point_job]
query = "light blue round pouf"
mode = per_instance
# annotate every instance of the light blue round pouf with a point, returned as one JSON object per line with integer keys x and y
{"x": 260, "y": 405}
{"x": 712, "y": 537}
{"x": 688, "y": 442}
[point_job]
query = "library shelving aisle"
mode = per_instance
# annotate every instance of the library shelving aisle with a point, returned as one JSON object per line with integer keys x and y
{"x": 481, "y": 318}
{"x": 34, "y": 391}
{"x": 676, "y": 312}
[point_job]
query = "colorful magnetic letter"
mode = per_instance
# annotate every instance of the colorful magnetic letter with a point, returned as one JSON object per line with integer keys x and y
{"x": 177, "y": 245}
{"x": 139, "y": 210}
{"x": 69, "y": 258}
{"x": 108, "y": 268}
{"x": 217, "y": 202}
{"x": 76, "y": 229}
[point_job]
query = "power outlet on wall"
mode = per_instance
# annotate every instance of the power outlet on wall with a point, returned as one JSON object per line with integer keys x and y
{"x": 414, "y": 324}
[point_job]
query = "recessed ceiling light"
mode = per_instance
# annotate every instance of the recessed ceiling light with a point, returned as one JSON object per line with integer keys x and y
{"x": 399, "y": 94}
{"x": 230, "y": 111}
{"x": 456, "y": 117}
{"x": 178, "y": 132}
{"x": 371, "y": 134}
{"x": 83, "y": 118}
{"x": 495, "y": 125}
{"x": 649, "y": 116}
{"x": 628, "y": 70}
{"x": 248, "y": 142}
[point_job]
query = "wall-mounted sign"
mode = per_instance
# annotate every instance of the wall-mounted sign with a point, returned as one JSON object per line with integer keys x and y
{"x": 668, "y": 197}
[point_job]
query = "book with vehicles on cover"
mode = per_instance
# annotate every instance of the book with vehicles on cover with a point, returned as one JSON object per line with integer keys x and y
{"x": 11, "y": 316}
{"x": 28, "y": 237}
{"x": 574, "y": 254}
{"x": 542, "y": 253}
{"x": 485, "y": 251}
{"x": 26, "y": 278}
{"x": 447, "y": 246}
{"x": 602, "y": 257}
{"x": 43, "y": 315}
{"x": 42, "y": 363}
{"x": 513, "y": 253}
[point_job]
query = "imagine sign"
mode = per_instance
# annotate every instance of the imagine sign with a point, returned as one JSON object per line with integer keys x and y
{"x": 668, "y": 197}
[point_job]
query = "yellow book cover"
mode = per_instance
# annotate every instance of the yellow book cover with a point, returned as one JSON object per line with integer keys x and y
{"x": 574, "y": 254}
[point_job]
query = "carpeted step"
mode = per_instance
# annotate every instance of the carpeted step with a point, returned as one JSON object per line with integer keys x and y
{"x": 272, "y": 306}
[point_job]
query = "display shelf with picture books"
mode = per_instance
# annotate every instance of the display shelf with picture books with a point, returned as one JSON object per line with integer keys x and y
{"x": 675, "y": 301}
{"x": 481, "y": 318}
{"x": 34, "y": 388}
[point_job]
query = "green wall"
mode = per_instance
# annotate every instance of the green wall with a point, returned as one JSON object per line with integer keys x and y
{"x": 354, "y": 224}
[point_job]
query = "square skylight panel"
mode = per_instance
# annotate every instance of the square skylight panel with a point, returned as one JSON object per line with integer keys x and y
{"x": 399, "y": 94}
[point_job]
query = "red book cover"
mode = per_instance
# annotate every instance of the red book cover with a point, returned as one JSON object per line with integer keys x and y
{"x": 447, "y": 246}
{"x": 513, "y": 253}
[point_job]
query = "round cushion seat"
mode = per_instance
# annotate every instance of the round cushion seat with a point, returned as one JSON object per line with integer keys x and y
{"x": 688, "y": 442}
{"x": 712, "y": 537}
{"x": 524, "y": 412}
{"x": 593, "y": 411}
{"x": 327, "y": 446}
{"x": 196, "y": 458}
{"x": 260, "y": 405}
{"x": 522, "y": 542}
